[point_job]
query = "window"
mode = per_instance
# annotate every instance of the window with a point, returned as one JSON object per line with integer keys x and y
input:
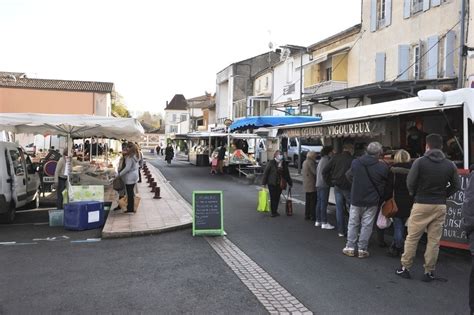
{"x": 173, "y": 129}
{"x": 416, "y": 62}
{"x": 329, "y": 74}
{"x": 173, "y": 118}
{"x": 380, "y": 13}
{"x": 184, "y": 117}
{"x": 17, "y": 163}
{"x": 290, "y": 71}
{"x": 416, "y": 6}
{"x": 266, "y": 83}
{"x": 261, "y": 107}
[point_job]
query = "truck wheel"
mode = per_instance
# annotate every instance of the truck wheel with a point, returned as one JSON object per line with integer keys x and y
{"x": 9, "y": 217}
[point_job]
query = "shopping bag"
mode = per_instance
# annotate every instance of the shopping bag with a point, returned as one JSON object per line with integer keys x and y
{"x": 289, "y": 204}
{"x": 382, "y": 221}
{"x": 136, "y": 203}
{"x": 124, "y": 201}
{"x": 263, "y": 201}
{"x": 389, "y": 208}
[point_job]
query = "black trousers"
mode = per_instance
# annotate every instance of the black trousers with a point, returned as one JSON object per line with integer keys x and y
{"x": 59, "y": 192}
{"x": 310, "y": 206}
{"x": 471, "y": 286}
{"x": 130, "y": 197}
{"x": 275, "y": 192}
{"x": 139, "y": 175}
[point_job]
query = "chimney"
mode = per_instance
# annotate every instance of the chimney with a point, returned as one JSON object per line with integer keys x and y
{"x": 166, "y": 103}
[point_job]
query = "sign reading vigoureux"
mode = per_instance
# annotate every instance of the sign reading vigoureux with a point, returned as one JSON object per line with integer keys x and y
{"x": 208, "y": 213}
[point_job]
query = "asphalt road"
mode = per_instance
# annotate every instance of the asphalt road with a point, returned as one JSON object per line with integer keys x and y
{"x": 50, "y": 270}
{"x": 309, "y": 263}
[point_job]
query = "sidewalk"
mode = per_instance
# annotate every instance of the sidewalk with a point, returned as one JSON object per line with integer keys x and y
{"x": 171, "y": 212}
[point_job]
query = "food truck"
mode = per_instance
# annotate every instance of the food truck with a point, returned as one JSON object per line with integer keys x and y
{"x": 404, "y": 124}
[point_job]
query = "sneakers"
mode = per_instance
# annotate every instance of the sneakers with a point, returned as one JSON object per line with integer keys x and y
{"x": 428, "y": 277}
{"x": 403, "y": 272}
{"x": 317, "y": 223}
{"x": 327, "y": 226}
{"x": 348, "y": 251}
{"x": 340, "y": 234}
{"x": 363, "y": 253}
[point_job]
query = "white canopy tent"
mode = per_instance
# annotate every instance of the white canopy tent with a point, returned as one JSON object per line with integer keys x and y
{"x": 72, "y": 126}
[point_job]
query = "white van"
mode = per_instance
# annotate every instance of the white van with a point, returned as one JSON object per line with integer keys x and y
{"x": 307, "y": 144}
{"x": 19, "y": 181}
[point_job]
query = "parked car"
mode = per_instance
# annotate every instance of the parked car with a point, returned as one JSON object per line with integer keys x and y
{"x": 307, "y": 144}
{"x": 19, "y": 181}
{"x": 30, "y": 149}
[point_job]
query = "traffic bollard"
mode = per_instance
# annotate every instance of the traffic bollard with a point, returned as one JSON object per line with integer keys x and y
{"x": 157, "y": 193}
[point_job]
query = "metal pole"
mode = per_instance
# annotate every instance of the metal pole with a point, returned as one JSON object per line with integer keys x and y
{"x": 300, "y": 106}
{"x": 461, "y": 39}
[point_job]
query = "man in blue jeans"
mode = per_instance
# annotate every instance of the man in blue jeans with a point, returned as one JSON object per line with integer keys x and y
{"x": 335, "y": 175}
{"x": 369, "y": 177}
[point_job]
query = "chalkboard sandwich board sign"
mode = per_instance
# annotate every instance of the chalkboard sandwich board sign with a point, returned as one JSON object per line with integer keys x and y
{"x": 208, "y": 213}
{"x": 453, "y": 233}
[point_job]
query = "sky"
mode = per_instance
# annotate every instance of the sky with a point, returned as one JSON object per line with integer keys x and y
{"x": 153, "y": 50}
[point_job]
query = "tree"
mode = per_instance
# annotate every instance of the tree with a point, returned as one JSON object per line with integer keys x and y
{"x": 154, "y": 120}
{"x": 118, "y": 107}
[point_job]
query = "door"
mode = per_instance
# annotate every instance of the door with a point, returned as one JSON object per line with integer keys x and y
{"x": 31, "y": 177}
{"x": 19, "y": 177}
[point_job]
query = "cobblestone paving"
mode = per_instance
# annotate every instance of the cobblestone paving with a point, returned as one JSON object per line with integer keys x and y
{"x": 275, "y": 298}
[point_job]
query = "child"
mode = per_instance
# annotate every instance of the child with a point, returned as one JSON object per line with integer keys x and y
{"x": 214, "y": 164}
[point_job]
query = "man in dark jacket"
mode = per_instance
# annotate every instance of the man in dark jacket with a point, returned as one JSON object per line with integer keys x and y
{"x": 335, "y": 175}
{"x": 468, "y": 225}
{"x": 431, "y": 180}
{"x": 368, "y": 176}
{"x": 221, "y": 158}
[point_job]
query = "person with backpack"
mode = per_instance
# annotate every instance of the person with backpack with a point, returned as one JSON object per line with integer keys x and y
{"x": 431, "y": 180}
{"x": 335, "y": 176}
{"x": 368, "y": 176}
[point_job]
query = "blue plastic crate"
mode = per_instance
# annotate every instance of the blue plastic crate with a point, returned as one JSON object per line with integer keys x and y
{"x": 83, "y": 215}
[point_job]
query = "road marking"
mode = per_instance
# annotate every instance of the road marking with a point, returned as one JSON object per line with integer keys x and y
{"x": 275, "y": 298}
{"x": 52, "y": 239}
{"x": 89, "y": 240}
{"x": 16, "y": 244}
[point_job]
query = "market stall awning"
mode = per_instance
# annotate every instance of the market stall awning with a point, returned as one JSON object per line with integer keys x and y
{"x": 255, "y": 122}
{"x": 358, "y": 120}
{"x": 71, "y": 125}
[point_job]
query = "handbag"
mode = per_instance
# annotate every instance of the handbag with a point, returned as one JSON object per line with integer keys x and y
{"x": 289, "y": 204}
{"x": 118, "y": 184}
{"x": 383, "y": 222}
{"x": 122, "y": 203}
{"x": 389, "y": 207}
{"x": 263, "y": 201}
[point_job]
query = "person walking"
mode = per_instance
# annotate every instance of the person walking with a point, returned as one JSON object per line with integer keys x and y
{"x": 468, "y": 226}
{"x": 368, "y": 176}
{"x": 309, "y": 185}
{"x": 129, "y": 174}
{"x": 397, "y": 188}
{"x": 169, "y": 154}
{"x": 221, "y": 158}
{"x": 276, "y": 176}
{"x": 60, "y": 178}
{"x": 334, "y": 174}
{"x": 431, "y": 180}
{"x": 322, "y": 190}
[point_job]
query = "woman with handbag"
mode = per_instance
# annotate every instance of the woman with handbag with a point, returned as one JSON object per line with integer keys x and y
{"x": 130, "y": 174}
{"x": 121, "y": 165}
{"x": 397, "y": 189}
{"x": 277, "y": 177}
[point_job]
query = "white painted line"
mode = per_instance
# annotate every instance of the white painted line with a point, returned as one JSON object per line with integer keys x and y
{"x": 89, "y": 240}
{"x": 7, "y": 243}
{"x": 51, "y": 239}
{"x": 35, "y": 210}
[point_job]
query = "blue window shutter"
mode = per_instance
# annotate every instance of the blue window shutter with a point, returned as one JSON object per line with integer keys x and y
{"x": 388, "y": 12}
{"x": 380, "y": 67}
{"x": 403, "y": 61}
{"x": 406, "y": 8}
{"x": 373, "y": 15}
{"x": 435, "y": 3}
{"x": 426, "y": 5}
{"x": 432, "y": 47}
{"x": 449, "y": 52}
